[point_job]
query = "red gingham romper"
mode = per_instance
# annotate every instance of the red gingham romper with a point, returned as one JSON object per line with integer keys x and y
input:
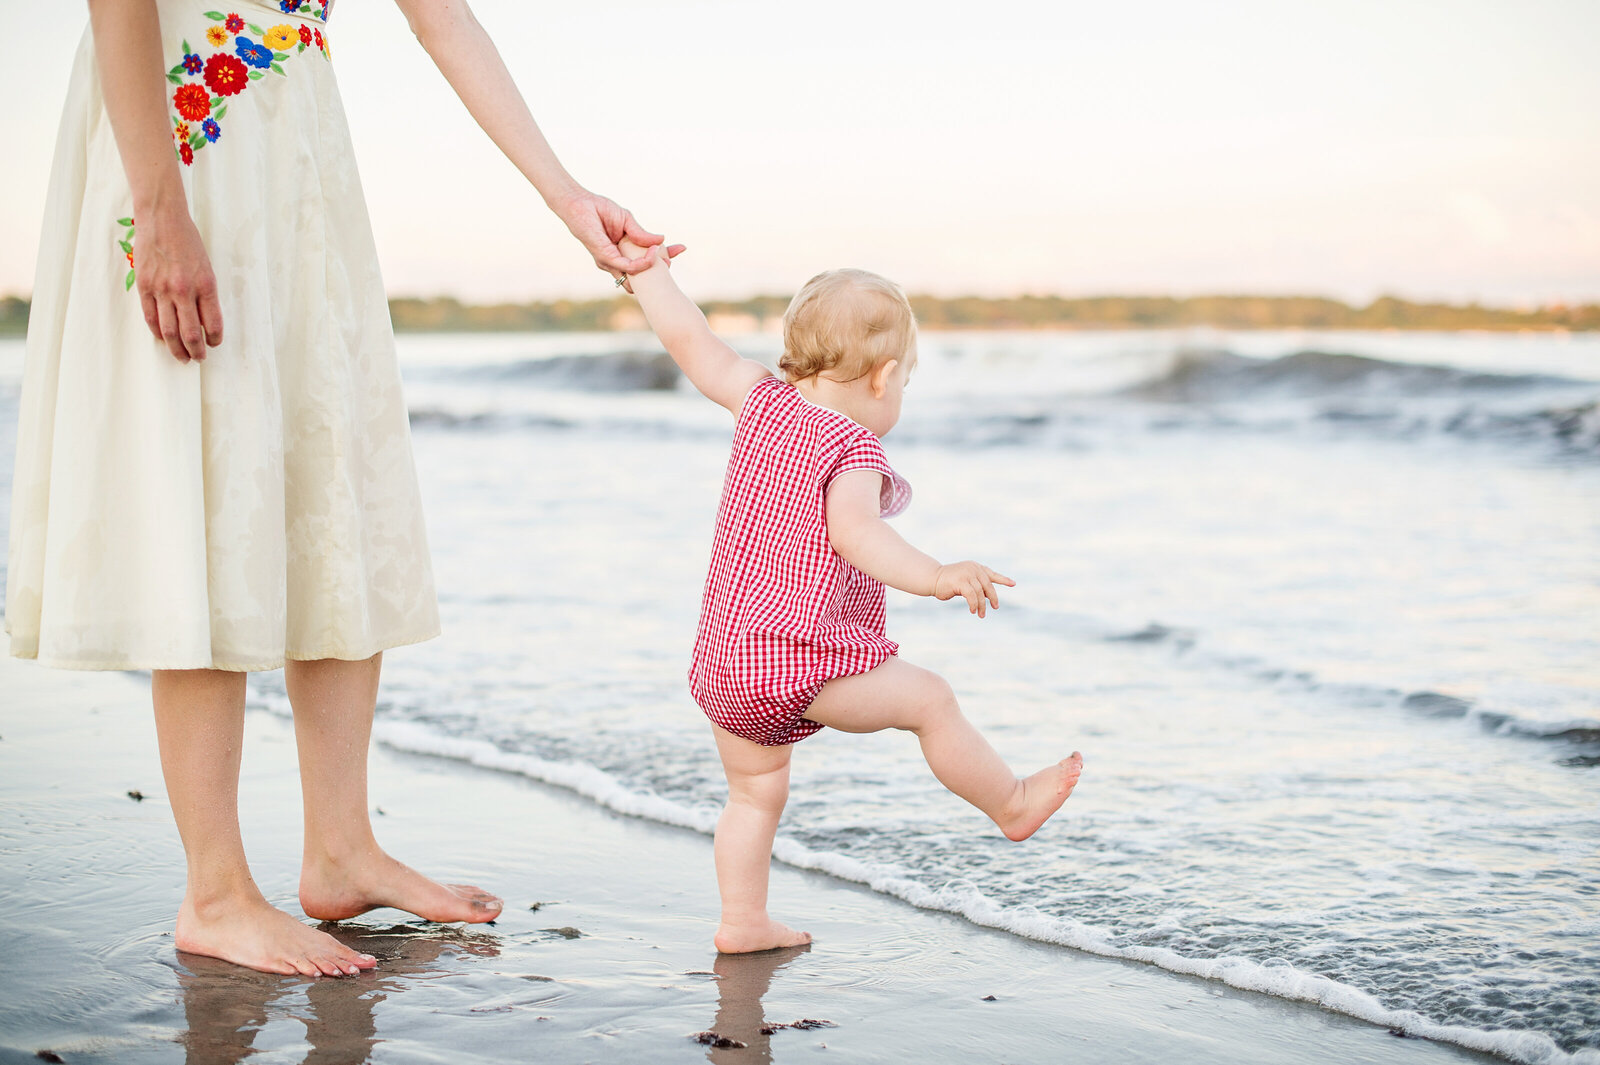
{"x": 782, "y": 613}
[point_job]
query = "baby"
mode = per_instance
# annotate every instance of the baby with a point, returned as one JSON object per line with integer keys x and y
{"x": 791, "y": 633}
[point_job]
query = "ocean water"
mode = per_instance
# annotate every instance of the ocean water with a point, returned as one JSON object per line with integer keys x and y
{"x": 1321, "y": 610}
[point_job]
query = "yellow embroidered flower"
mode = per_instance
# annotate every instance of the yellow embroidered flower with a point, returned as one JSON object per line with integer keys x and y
{"x": 280, "y": 37}
{"x": 217, "y": 36}
{"x": 181, "y": 131}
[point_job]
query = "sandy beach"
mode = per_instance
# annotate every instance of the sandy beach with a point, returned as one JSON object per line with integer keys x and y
{"x": 603, "y": 954}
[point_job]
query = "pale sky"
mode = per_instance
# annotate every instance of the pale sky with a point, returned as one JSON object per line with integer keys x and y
{"x": 1445, "y": 149}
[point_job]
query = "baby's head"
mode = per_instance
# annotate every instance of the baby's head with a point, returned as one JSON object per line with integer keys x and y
{"x": 844, "y": 324}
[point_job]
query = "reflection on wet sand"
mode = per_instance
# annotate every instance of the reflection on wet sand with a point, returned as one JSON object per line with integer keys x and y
{"x": 226, "y": 1006}
{"x": 742, "y": 980}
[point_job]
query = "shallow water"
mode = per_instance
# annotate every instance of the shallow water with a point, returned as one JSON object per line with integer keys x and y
{"x": 1325, "y": 629}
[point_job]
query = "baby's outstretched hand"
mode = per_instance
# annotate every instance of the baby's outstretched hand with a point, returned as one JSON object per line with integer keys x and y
{"x": 973, "y": 582}
{"x": 654, "y": 255}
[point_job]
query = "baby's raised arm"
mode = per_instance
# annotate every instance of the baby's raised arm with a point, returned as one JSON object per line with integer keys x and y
{"x": 863, "y": 539}
{"x": 718, "y": 371}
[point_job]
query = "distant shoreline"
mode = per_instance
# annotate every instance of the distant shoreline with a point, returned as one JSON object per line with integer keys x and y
{"x": 444, "y": 314}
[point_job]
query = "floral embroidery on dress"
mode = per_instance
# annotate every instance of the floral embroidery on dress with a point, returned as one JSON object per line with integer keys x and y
{"x": 204, "y": 85}
{"x": 126, "y": 244}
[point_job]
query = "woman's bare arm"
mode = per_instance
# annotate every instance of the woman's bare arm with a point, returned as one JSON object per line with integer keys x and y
{"x": 472, "y": 65}
{"x": 176, "y": 285}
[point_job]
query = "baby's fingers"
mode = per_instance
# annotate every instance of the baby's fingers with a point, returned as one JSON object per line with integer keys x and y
{"x": 1000, "y": 578}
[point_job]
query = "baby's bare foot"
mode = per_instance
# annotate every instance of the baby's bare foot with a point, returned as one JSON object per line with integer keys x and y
{"x": 743, "y": 939}
{"x": 333, "y": 890}
{"x": 1039, "y": 796}
{"x": 251, "y": 933}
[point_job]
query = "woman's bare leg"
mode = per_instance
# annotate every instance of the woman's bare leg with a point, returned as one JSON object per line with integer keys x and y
{"x": 758, "y": 788}
{"x": 900, "y": 695}
{"x": 200, "y": 725}
{"x": 345, "y": 872}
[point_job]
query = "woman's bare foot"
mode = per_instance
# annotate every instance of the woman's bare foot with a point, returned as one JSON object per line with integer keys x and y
{"x": 252, "y": 933}
{"x": 1038, "y": 797}
{"x": 743, "y": 939}
{"x": 334, "y": 890}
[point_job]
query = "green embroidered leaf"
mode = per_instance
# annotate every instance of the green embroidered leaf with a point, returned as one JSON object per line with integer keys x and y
{"x": 126, "y": 285}
{"x": 125, "y": 222}
{"x": 214, "y": 16}
{"x": 186, "y": 49}
{"x": 278, "y": 70}
{"x": 197, "y": 141}
{"x": 255, "y": 75}
{"x": 257, "y": 30}
{"x": 280, "y": 56}
{"x": 175, "y": 70}
{"x": 125, "y": 246}
{"x": 174, "y": 79}
{"x": 302, "y": 48}
{"x": 219, "y": 112}
{"x": 216, "y": 101}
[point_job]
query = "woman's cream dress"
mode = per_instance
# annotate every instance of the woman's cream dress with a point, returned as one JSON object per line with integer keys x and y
{"x": 262, "y": 504}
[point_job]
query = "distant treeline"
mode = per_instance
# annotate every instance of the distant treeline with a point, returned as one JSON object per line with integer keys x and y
{"x": 13, "y": 316}
{"x": 1026, "y": 312}
{"x": 443, "y": 314}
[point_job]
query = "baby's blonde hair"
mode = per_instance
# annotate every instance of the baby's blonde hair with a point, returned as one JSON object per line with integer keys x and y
{"x": 845, "y": 323}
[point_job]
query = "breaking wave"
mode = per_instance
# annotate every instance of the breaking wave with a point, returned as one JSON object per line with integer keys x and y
{"x": 1075, "y": 405}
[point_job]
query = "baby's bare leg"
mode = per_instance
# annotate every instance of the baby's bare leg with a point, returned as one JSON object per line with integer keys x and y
{"x": 900, "y": 695}
{"x": 758, "y": 787}
{"x": 200, "y": 724}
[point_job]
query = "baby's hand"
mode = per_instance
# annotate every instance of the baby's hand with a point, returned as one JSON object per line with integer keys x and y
{"x": 658, "y": 254}
{"x": 973, "y": 582}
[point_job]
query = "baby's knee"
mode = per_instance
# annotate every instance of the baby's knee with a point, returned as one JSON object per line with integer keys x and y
{"x": 767, "y": 792}
{"x": 934, "y": 701}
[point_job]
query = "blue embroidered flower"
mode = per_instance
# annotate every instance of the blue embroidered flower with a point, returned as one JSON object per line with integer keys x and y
{"x": 192, "y": 64}
{"x": 258, "y": 56}
{"x": 210, "y": 128}
{"x": 289, "y": 6}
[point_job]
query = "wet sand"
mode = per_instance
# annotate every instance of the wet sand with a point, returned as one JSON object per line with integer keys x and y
{"x": 602, "y": 955}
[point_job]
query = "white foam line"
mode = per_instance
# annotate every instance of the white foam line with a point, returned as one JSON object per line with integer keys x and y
{"x": 1280, "y": 981}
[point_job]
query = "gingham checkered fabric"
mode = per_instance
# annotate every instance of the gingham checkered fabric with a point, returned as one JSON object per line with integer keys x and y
{"x": 782, "y": 613}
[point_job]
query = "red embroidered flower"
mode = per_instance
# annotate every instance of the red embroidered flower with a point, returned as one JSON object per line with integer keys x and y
{"x": 181, "y": 131}
{"x": 226, "y": 75}
{"x": 318, "y": 35}
{"x": 192, "y": 101}
{"x": 305, "y": 34}
{"x": 234, "y": 23}
{"x": 186, "y": 153}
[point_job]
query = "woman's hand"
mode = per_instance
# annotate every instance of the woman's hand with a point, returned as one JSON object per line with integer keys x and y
{"x": 599, "y": 224}
{"x": 176, "y": 285}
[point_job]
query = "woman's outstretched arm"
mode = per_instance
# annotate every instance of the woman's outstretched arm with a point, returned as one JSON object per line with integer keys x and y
{"x": 176, "y": 285}
{"x": 471, "y": 64}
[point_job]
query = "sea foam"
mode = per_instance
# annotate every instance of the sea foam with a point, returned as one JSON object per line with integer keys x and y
{"x": 969, "y": 902}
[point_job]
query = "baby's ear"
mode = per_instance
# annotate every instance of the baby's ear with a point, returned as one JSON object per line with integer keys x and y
{"x": 880, "y": 378}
